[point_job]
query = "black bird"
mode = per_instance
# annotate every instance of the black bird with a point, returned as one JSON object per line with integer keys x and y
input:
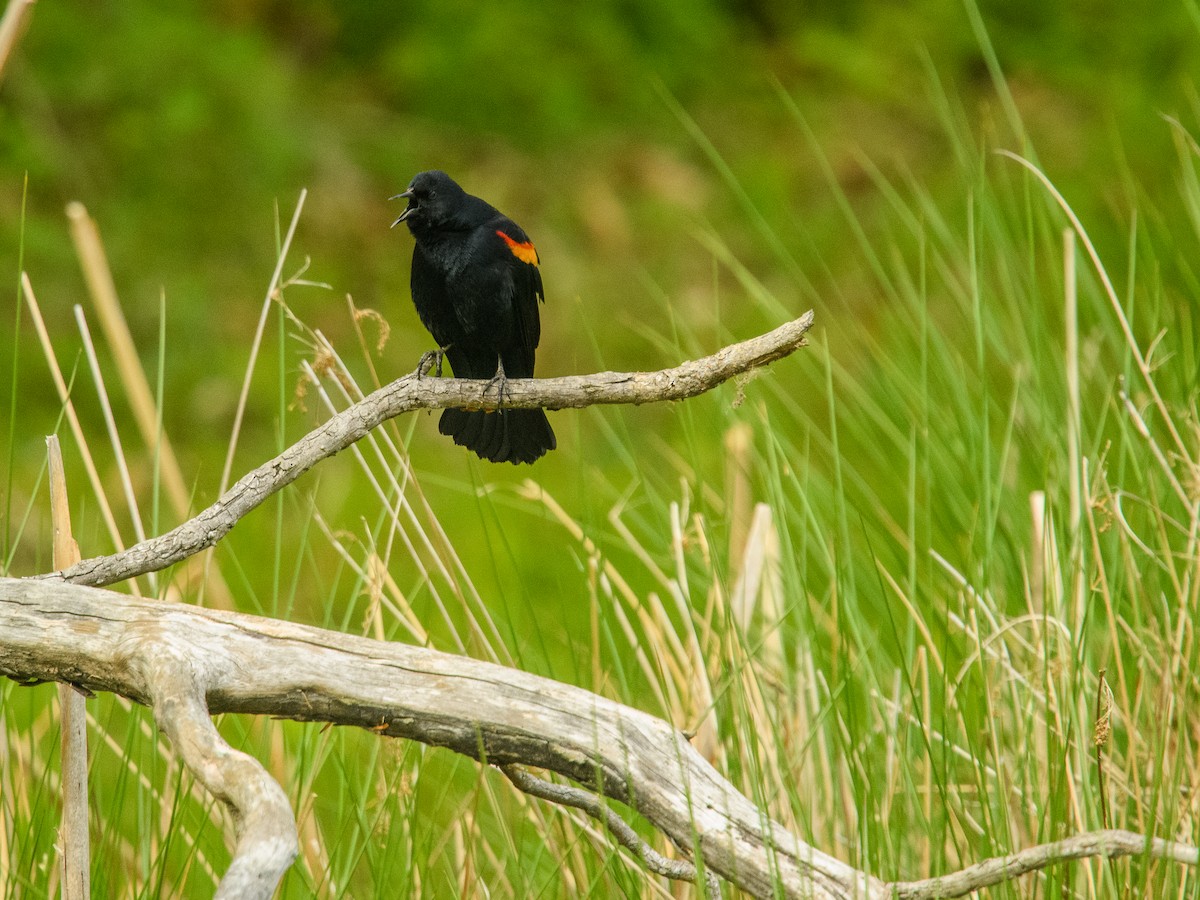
{"x": 476, "y": 287}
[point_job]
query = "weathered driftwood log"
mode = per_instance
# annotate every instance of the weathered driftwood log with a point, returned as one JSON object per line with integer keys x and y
{"x": 187, "y": 663}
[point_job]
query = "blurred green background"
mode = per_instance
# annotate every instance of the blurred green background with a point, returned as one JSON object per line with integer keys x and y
{"x": 182, "y": 126}
{"x": 692, "y": 173}
{"x": 188, "y": 130}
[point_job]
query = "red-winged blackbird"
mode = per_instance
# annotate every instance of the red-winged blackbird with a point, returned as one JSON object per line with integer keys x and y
{"x": 476, "y": 287}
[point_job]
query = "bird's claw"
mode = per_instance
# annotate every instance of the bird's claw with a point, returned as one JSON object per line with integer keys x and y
{"x": 431, "y": 359}
{"x": 499, "y": 382}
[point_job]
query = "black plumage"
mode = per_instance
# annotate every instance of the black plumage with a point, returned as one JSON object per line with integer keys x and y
{"x": 476, "y": 286}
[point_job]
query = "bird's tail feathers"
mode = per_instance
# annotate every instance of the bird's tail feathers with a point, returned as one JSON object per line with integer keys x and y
{"x": 506, "y": 435}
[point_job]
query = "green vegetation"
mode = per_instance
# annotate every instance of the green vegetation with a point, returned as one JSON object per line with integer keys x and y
{"x": 881, "y": 580}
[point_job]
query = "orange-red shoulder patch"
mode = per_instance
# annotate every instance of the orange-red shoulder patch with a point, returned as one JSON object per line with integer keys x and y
{"x": 522, "y": 250}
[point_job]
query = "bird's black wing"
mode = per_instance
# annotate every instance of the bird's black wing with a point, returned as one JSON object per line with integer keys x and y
{"x": 433, "y": 300}
{"x": 521, "y": 260}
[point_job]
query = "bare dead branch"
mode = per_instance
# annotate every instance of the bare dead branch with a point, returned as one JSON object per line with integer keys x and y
{"x": 74, "y": 836}
{"x": 594, "y": 806}
{"x": 1110, "y": 844}
{"x": 189, "y": 663}
{"x": 267, "y": 841}
{"x": 412, "y": 393}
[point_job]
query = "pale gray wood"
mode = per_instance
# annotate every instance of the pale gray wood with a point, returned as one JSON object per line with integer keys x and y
{"x": 267, "y": 841}
{"x": 188, "y": 662}
{"x": 1109, "y": 844}
{"x": 412, "y": 393}
{"x": 74, "y": 838}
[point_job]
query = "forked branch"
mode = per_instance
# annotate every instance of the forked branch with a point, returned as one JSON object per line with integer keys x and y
{"x": 189, "y": 663}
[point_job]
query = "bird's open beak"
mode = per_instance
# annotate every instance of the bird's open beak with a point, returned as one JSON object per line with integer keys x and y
{"x": 407, "y": 195}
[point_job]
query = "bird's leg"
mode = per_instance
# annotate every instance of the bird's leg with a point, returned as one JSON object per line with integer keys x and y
{"x": 499, "y": 382}
{"x": 431, "y": 359}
